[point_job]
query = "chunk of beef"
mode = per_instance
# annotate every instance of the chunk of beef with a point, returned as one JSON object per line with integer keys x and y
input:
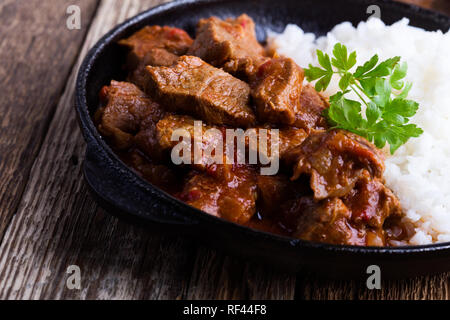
{"x": 155, "y": 46}
{"x": 369, "y": 215}
{"x": 160, "y": 175}
{"x": 397, "y": 231}
{"x": 371, "y": 202}
{"x": 350, "y": 204}
{"x": 309, "y": 113}
{"x": 229, "y": 43}
{"x": 146, "y": 141}
{"x": 357, "y": 219}
{"x": 335, "y": 160}
{"x": 276, "y": 89}
{"x": 155, "y": 57}
{"x": 233, "y": 200}
{"x": 215, "y": 139}
{"x": 280, "y": 97}
{"x": 211, "y": 141}
{"x": 325, "y": 221}
{"x": 194, "y": 87}
{"x": 159, "y": 58}
{"x": 125, "y": 108}
{"x": 171, "y": 40}
{"x": 288, "y": 139}
{"x": 273, "y": 191}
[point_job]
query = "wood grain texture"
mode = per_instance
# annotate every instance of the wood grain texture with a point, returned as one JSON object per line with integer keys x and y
{"x": 219, "y": 276}
{"x": 421, "y": 288}
{"x": 33, "y": 72}
{"x": 57, "y": 224}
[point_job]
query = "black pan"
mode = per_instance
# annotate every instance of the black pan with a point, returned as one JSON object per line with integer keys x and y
{"x": 124, "y": 193}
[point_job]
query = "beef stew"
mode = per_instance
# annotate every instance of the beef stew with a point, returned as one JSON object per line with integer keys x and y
{"x": 329, "y": 187}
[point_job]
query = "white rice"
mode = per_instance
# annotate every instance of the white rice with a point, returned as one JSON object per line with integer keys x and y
{"x": 419, "y": 172}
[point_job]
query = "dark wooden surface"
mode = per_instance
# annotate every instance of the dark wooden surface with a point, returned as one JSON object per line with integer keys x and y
{"x": 48, "y": 220}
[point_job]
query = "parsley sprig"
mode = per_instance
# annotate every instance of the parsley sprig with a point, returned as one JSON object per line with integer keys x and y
{"x": 379, "y": 86}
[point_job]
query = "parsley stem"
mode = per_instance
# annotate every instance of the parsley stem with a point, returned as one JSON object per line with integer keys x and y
{"x": 361, "y": 89}
{"x": 356, "y": 91}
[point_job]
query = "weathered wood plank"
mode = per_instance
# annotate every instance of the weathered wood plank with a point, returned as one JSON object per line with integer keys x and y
{"x": 219, "y": 276}
{"x": 314, "y": 288}
{"x": 421, "y": 288}
{"x": 57, "y": 224}
{"x": 33, "y": 72}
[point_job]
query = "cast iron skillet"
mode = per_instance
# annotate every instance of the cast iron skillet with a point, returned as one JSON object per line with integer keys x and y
{"x": 124, "y": 193}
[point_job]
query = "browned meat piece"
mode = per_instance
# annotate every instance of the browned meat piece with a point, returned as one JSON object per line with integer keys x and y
{"x": 126, "y": 107}
{"x": 325, "y": 221}
{"x": 371, "y": 202}
{"x": 155, "y": 57}
{"x": 351, "y": 204}
{"x": 155, "y": 46}
{"x": 232, "y": 200}
{"x": 230, "y": 44}
{"x": 147, "y": 142}
{"x": 359, "y": 218}
{"x": 310, "y": 110}
{"x": 159, "y": 58}
{"x": 369, "y": 215}
{"x": 194, "y": 87}
{"x": 335, "y": 160}
{"x": 211, "y": 141}
{"x": 276, "y": 89}
{"x": 289, "y": 138}
{"x": 159, "y": 175}
{"x": 172, "y": 40}
{"x": 273, "y": 191}
{"x": 166, "y": 127}
{"x": 397, "y": 232}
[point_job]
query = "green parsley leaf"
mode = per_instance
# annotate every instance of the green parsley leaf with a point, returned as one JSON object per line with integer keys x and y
{"x": 398, "y": 74}
{"x": 382, "y": 92}
{"x": 323, "y": 83}
{"x": 373, "y": 113}
{"x": 345, "y": 81}
{"x": 314, "y": 73}
{"x": 405, "y": 91}
{"x": 324, "y": 61}
{"x": 350, "y": 111}
{"x": 403, "y": 107}
{"x": 369, "y": 65}
{"x": 382, "y": 89}
{"x": 342, "y": 60}
{"x": 394, "y": 118}
{"x": 384, "y": 69}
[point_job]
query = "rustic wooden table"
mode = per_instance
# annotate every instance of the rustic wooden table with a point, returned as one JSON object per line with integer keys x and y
{"x": 48, "y": 220}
